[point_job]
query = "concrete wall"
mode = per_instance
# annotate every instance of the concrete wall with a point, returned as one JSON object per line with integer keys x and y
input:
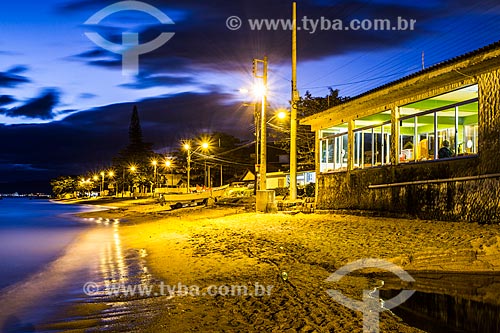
{"x": 471, "y": 200}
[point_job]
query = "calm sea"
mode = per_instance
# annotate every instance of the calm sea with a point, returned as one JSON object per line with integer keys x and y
{"x": 32, "y": 234}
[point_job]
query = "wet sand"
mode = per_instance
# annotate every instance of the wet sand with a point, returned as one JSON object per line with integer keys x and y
{"x": 291, "y": 255}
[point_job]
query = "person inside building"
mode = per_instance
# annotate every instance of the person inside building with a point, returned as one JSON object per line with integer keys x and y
{"x": 445, "y": 152}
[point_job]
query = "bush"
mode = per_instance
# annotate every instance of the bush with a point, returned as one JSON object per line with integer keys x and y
{"x": 281, "y": 191}
{"x": 310, "y": 190}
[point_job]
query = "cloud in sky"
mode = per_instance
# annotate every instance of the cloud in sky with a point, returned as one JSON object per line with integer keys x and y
{"x": 13, "y": 78}
{"x": 6, "y": 100}
{"x": 203, "y": 44}
{"x": 40, "y": 107}
{"x": 202, "y": 39}
{"x": 87, "y": 96}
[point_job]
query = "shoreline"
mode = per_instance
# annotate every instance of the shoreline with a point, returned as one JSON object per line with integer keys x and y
{"x": 42, "y": 292}
{"x": 225, "y": 246}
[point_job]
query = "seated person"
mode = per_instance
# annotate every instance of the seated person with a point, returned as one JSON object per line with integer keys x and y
{"x": 445, "y": 152}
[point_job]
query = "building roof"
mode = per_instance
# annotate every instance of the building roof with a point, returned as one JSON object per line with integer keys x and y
{"x": 448, "y": 71}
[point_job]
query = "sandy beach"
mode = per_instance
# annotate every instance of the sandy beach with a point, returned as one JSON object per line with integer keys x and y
{"x": 231, "y": 270}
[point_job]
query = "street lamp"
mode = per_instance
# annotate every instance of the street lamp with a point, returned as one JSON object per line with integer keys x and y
{"x": 187, "y": 147}
{"x": 111, "y": 174}
{"x": 169, "y": 165}
{"x": 132, "y": 169}
{"x": 96, "y": 178}
{"x": 155, "y": 163}
{"x": 281, "y": 114}
{"x": 102, "y": 183}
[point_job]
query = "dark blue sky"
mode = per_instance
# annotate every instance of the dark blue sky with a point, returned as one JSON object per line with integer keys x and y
{"x": 65, "y": 105}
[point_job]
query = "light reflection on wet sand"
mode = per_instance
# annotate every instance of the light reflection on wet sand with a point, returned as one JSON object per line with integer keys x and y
{"x": 97, "y": 255}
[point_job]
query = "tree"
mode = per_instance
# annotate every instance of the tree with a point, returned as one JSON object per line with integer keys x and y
{"x": 138, "y": 154}
{"x": 135, "y": 130}
{"x": 307, "y": 106}
{"x": 63, "y": 185}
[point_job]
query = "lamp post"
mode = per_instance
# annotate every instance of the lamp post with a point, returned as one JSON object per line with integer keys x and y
{"x": 132, "y": 170}
{"x": 187, "y": 147}
{"x": 111, "y": 174}
{"x": 168, "y": 164}
{"x": 102, "y": 182}
{"x": 155, "y": 163}
{"x": 96, "y": 178}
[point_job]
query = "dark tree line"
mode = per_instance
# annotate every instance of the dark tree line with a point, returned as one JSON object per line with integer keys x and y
{"x": 133, "y": 168}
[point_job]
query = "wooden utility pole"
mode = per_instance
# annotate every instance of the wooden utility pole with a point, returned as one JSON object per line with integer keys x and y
{"x": 293, "y": 109}
{"x": 263, "y": 120}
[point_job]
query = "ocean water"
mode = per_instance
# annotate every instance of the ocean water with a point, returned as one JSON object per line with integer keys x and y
{"x": 32, "y": 234}
{"x": 48, "y": 256}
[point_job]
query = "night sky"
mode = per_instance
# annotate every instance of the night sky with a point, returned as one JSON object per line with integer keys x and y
{"x": 65, "y": 104}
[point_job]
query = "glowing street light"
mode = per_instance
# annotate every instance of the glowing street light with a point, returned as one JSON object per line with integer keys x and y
{"x": 259, "y": 90}
{"x": 111, "y": 174}
{"x": 168, "y": 164}
{"x": 102, "y": 182}
{"x": 132, "y": 169}
{"x": 281, "y": 114}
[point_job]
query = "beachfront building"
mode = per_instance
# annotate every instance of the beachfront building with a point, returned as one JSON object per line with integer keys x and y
{"x": 427, "y": 145}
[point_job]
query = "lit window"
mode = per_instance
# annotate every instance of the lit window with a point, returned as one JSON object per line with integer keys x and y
{"x": 444, "y": 126}
{"x": 333, "y": 148}
{"x": 372, "y": 140}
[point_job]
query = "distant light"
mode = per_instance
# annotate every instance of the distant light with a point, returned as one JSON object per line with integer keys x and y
{"x": 111, "y": 174}
{"x": 204, "y": 145}
{"x": 133, "y": 168}
{"x": 95, "y": 177}
{"x": 281, "y": 115}
{"x": 168, "y": 164}
{"x": 102, "y": 173}
{"x": 154, "y": 162}
{"x": 187, "y": 146}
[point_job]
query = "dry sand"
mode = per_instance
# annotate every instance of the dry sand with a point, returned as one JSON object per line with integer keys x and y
{"x": 293, "y": 254}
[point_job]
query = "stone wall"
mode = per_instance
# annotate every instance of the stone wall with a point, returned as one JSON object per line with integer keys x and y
{"x": 489, "y": 121}
{"x": 471, "y": 200}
